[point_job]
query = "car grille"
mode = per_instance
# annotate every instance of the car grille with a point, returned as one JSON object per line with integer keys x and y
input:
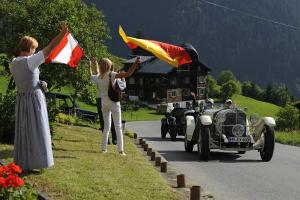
{"x": 232, "y": 119}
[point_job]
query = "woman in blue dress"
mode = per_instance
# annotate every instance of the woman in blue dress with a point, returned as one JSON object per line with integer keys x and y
{"x": 32, "y": 142}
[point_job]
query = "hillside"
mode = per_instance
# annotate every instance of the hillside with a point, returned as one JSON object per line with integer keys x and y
{"x": 263, "y": 109}
{"x": 253, "y": 48}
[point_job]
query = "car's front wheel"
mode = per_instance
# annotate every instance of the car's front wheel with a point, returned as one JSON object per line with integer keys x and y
{"x": 203, "y": 143}
{"x": 188, "y": 145}
{"x": 266, "y": 153}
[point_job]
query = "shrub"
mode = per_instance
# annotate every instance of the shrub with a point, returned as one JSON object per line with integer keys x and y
{"x": 65, "y": 119}
{"x": 288, "y": 118}
{"x": 7, "y": 117}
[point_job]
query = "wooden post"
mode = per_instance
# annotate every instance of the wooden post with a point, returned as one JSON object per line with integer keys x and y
{"x": 141, "y": 141}
{"x": 195, "y": 192}
{"x": 135, "y": 135}
{"x": 157, "y": 161}
{"x": 180, "y": 181}
{"x": 149, "y": 151}
{"x": 153, "y": 156}
{"x": 145, "y": 147}
{"x": 163, "y": 167}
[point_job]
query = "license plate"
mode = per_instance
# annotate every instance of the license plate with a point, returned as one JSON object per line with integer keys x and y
{"x": 239, "y": 139}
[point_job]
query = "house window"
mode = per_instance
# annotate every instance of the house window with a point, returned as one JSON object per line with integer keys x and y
{"x": 131, "y": 93}
{"x": 201, "y": 79}
{"x": 173, "y": 81}
{"x": 131, "y": 80}
{"x": 186, "y": 80}
{"x": 201, "y": 91}
{"x": 173, "y": 93}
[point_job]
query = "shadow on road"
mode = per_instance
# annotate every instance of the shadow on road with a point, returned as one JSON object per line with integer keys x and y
{"x": 225, "y": 157}
{"x": 159, "y": 139}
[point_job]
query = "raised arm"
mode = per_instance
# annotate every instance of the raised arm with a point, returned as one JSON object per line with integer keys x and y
{"x": 130, "y": 71}
{"x": 89, "y": 63}
{"x": 97, "y": 66}
{"x": 56, "y": 40}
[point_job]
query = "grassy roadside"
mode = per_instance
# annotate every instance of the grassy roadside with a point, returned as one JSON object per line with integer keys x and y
{"x": 82, "y": 172}
{"x": 291, "y": 138}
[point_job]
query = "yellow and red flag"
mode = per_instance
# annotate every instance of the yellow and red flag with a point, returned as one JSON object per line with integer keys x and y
{"x": 174, "y": 55}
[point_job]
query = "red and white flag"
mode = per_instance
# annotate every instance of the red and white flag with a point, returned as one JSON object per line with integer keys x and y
{"x": 67, "y": 52}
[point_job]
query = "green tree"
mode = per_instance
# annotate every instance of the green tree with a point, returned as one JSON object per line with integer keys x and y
{"x": 269, "y": 92}
{"x": 41, "y": 19}
{"x": 246, "y": 88}
{"x": 230, "y": 88}
{"x": 282, "y": 95}
{"x": 250, "y": 89}
{"x": 278, "y": 94}
{"x": 288, "y": 118}
{"x": 225, "y": 76}
{"x": 213, "y": 87}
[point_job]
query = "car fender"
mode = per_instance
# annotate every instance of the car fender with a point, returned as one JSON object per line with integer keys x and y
{"x": 205, "y": 120}
{"x": 266, "y": 121}
{"x": 190, "y": 126}
{"x": 269, "y": 121}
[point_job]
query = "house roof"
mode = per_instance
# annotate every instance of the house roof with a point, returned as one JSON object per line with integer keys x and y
{"x": 153, "y": 65}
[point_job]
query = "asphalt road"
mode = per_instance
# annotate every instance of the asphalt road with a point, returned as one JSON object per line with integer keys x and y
{"x": 227, "y": 175}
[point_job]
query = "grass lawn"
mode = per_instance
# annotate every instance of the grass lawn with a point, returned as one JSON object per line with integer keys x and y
{"x": 82, "y": 172}
{"x": 292, "y": 138}
{"x": 264, "y": 109}
{"x": 143, "y": 114}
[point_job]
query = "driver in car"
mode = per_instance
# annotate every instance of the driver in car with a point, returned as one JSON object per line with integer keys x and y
{"x": 228, "y": 103}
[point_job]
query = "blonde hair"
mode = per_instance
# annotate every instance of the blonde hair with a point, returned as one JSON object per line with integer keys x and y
{"x": 105, "y": 65}
{"x": 27, "y": 43}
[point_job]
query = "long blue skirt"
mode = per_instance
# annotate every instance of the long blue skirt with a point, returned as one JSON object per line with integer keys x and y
{"x": 32, "y": 143}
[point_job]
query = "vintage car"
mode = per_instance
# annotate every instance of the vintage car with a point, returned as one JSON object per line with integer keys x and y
{"x": 229, "y": 130}
{"x": 175, "y": 120}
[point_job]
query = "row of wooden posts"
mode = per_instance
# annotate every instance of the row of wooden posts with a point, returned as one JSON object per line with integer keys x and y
{"x": 162, "y": 163}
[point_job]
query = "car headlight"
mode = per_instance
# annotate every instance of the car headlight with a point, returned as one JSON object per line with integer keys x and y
{"x": 238, "y": 130}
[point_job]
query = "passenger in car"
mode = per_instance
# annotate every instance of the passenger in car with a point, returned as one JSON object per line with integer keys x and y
{"x": 210, "y": 103}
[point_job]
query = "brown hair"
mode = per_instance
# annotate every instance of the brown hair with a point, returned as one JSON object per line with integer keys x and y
{"x": 27, "y": 43}
{"x": 105, "y": 65}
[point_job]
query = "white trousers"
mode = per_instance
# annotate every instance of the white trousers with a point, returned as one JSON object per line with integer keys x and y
{"x": 110, "y": 108}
